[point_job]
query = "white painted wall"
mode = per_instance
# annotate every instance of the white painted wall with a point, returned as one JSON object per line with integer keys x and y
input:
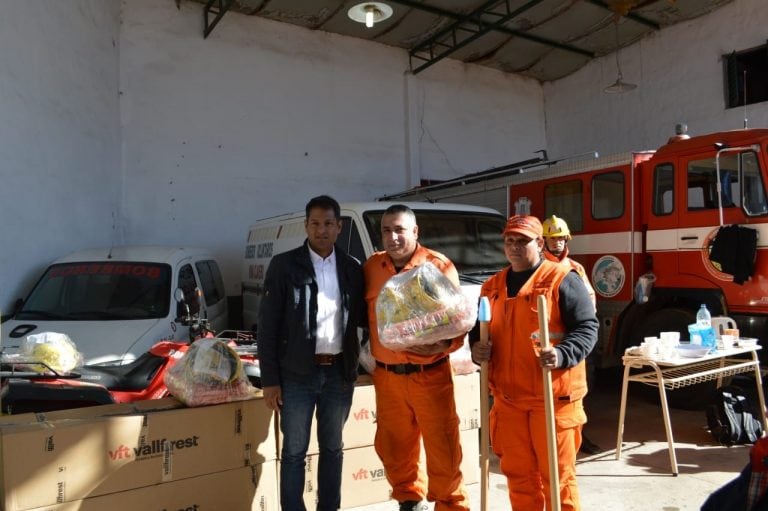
{"x": 679, "y": 73}
{"x": 59, "y": 134}
{"x": 209, "y": 135}
{"x": 261, "y": 116}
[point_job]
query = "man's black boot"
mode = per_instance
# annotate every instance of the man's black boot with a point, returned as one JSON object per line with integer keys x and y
{"x": 589, "y": 447}
{"x": 413, "y": 505}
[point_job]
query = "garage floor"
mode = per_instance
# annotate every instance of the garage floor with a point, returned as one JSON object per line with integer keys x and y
{"x": 641, "y": 480}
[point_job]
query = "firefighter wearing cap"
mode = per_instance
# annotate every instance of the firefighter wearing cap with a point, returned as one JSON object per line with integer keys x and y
{"x": 556, "y": 237}
{"x": 414, "y": 388}
{"x": 518, "y": 432}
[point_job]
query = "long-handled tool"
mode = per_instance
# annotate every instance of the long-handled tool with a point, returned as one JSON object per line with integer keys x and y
{"x": 549, "y": 409}
{"x": 484, "y": 316}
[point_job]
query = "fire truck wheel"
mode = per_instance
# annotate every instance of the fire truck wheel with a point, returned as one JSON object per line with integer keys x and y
{"x": 667, "y": 320}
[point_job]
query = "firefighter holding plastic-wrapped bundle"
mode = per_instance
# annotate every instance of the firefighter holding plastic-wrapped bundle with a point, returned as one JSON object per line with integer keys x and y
{"x": 414, "y": 386}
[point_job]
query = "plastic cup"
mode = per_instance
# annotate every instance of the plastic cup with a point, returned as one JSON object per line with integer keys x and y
{"x": 670, "y": 338}
{"x": 726, "y": 342}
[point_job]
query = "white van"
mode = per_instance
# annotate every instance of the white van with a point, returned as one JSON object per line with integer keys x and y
{"x": 115, "y": 303}
{"x": 469, "y": 235}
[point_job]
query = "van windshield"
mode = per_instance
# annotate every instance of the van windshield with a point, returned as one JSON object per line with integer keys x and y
{"x": 471, "y": 240}
{"x": 89, "y": 291}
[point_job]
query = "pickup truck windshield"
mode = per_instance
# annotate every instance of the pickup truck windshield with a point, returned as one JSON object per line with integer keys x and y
{"x": 471, "y": 240}
{"x": 97, "y": 291}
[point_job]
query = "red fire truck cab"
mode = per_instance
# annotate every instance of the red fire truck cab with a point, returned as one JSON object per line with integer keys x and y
{"x": 659, "y": 212}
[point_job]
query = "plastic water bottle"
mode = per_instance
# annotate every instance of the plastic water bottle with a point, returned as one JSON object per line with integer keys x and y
{"x": 704, "y": 324}
{"x": 703, "y": 317}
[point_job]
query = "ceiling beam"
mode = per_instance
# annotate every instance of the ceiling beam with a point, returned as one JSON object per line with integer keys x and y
{"x": 491, "y": 16}
{"x": 474, "y": 17}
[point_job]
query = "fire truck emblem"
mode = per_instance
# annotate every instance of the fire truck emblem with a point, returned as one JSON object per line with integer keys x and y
{"x": 608, "y": 276}
{"x": 712, "y": 267}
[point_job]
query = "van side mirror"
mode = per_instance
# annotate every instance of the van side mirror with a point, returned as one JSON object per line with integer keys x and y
{"x": 178, "y": 295}
{"x": 17, "y": 305}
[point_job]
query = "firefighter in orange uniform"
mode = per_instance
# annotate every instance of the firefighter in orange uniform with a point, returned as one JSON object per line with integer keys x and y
{"x": 414, "y": 388}
{"x": 517, "y": 422}
{"x": 556, "y": 238}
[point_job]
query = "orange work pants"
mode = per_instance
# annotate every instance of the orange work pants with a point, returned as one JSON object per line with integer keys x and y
{"x": 420, "y": 406}
{"x": 519, "y": 438}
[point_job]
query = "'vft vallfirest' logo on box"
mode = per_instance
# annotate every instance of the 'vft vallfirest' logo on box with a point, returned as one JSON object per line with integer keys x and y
{"x": 364, "y": 414}
{"x": 368, "y": 474}
{"x": 151, "y": 449}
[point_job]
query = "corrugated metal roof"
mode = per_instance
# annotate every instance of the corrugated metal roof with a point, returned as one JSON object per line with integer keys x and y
{"x": 542, "y": 39}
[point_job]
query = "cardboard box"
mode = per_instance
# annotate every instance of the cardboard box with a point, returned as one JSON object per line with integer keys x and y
{"x": 466, "y": 391}
{"x": 364, "y": 482}
{"x": 249, "y": 488}
{"x": 68, "y": 459}
{"x": 360, "y": 429}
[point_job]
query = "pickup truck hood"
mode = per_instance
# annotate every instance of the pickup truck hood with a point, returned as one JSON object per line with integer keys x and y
{"x": 98, "y": 341}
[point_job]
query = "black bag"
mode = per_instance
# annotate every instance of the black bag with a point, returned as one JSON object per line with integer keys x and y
{"x": 732, "y": 418}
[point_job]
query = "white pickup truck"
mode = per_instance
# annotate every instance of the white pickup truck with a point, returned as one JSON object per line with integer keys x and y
{"x": 115, "y": 303}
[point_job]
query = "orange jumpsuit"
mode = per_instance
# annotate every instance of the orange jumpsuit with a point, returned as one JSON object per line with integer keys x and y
{"x": 577, "y": 267}
{"x": 416, "y": 405}
{"x": 518, "y": 431}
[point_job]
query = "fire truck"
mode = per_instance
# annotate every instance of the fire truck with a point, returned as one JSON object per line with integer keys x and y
{"x": 651, "y": 216}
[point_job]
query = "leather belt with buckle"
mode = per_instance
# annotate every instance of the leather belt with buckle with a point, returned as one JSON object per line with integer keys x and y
{"x": 326, "y": 359}
{"x": 410, "y": 368}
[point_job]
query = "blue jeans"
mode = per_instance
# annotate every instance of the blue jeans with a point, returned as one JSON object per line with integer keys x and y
{"x": 327, "y": 392}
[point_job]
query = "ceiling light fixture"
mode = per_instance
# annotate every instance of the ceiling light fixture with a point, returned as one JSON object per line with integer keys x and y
{"x": 370, "y": 13}
{"x": 619, "y": 86}
{"x": 622, "y": 6}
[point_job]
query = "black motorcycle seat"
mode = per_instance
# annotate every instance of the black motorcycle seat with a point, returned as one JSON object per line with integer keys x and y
{"x": 133, "y": 376}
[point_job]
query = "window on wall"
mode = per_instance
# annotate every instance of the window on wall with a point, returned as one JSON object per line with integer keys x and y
{"x": 746, "y": 77}
{"x": 663, "y": 189}
{"x": 608, "y": 195}
{"x": 565, "y": 200}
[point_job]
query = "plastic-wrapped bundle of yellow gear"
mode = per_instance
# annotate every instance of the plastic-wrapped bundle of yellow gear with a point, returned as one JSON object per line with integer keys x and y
{"x": 422, "y": 306}
{"x": 55, "y": 350}
{"x": 210, "y": 372}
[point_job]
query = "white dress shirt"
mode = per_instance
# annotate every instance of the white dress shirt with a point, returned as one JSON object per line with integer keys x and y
{"x": 328, "y": 336}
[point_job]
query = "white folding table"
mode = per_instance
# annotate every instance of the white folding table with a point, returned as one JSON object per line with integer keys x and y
{"x": 675, "y": 373}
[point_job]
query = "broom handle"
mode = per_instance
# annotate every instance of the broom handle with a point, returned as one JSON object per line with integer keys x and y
{"x": 484, "y": 315}
{"x": 549, "y": 409}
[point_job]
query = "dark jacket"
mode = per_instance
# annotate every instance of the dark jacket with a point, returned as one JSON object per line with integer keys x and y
{"x": 288, "y": 316}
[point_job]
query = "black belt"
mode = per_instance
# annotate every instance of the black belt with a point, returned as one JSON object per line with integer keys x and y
{"x": 410, "y": 368}
{"x": 326, "y": 359}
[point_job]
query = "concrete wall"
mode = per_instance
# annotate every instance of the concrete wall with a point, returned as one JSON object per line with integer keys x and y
{"x": 261, "y": 116}
{"x": 122, "y": 124}
{"x": 679, "y": 73}
{"x": 59, "y": 134}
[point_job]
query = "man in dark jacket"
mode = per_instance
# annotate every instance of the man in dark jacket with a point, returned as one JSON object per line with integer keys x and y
{"x": 308, "y": 351}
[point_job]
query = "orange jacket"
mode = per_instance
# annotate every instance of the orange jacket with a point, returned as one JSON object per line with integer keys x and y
{"x": 514, "y": 371}
{"x": 577, "y": 267}
{"x": 378, "y": 269}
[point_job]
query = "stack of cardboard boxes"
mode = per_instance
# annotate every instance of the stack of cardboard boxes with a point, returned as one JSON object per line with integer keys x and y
{"x": 152, "y": 455}
{"x": 363, "y": 481}
{"x": 161, "y": 455}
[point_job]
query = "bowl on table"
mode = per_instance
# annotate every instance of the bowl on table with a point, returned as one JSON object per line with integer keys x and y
{"x": 691, "y": 350}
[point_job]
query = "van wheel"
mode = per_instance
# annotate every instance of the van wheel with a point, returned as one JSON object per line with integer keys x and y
{"x": 694, "y": 397}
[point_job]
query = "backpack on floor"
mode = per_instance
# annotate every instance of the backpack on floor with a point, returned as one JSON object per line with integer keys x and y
{"x": 732, "y": 418}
